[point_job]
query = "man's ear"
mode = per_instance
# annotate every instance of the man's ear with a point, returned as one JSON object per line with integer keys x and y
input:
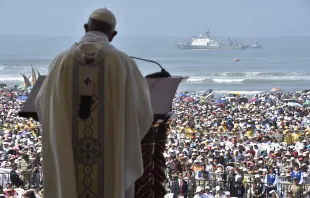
{"x": 114, "y": 33}
{"x": 86, "y": 27}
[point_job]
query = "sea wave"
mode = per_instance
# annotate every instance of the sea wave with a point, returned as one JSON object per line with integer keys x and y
{"x": 220, "y": 92}
{"x": 248, "y": 77}
{"x": 221, "y": 80}
{"x": 11, "y": 79}
{"x": 240, "y": 92}
{"x": 196, "y": 79}
{"x": 13, "y": 73}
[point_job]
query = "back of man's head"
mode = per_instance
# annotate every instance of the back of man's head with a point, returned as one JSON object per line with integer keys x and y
{"x": 102, "y": 20}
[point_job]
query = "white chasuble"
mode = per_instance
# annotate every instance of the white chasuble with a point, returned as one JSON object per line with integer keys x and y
{"x": 99, "y": 157}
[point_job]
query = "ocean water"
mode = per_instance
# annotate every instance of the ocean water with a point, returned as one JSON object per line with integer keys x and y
{"x": 284, "y": 62}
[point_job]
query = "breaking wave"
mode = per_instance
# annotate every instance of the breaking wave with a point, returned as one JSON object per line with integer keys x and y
{"x": 247, "y": 77}
{"x": 219, "y": 80}
{"x": 11, "y": 79}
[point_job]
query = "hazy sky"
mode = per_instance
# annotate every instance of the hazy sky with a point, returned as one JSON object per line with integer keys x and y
{"x": 160, "y": 17}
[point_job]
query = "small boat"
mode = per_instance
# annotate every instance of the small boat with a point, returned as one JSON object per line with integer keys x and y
{"x": 256, "y": 45}
{"x": 236, "y": 60}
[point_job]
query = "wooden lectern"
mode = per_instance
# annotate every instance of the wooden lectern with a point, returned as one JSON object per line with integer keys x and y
{"x": 162, "y": 90}
{"x": 151, "y": 184}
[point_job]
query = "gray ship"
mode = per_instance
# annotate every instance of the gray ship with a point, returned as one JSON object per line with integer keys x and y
{"x": 204, "y": 41}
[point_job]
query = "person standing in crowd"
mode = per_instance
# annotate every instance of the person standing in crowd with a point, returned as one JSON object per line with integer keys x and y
{"x": 231, "y": 178}
{"x": 227, "y": 194}
{"x": 196, "y": 168}
{"x": 296, "y": 188}
{"x": 36, "y": 176}
{"x": 179, "y": 187}
{"x": 290, "y": 194}
{"x": 29, "y": 194}
{"x": 257, "y": 189}
{"x": 24, "y": 169}
{"x": 15, "y": 178}
{"x": 199, "y": 193}
{"x": 237, "y": 188}
{"x": 273, "y": 194}
{"x": 189, "y": 178}
{"x": 297, "y": 174}
{"x": 208, "y": 192}
{"x": 10, "y": 191}
{"x": 306, "y": 194}
{"x": 271, "y": 180}
{"x": 219, "y": 193}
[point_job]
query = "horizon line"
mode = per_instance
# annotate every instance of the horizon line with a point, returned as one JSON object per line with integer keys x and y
{"x": 171, "y": 36}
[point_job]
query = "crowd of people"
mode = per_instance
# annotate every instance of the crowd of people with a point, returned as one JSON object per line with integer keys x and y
{"x": 236, "y": 146}
{"x": 20, "y": 148}
{"x": 232, "y": 146}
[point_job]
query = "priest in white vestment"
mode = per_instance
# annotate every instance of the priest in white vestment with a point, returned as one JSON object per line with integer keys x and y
{"x": 96, "y": 154}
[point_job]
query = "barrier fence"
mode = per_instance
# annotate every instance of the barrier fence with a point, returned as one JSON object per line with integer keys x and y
{"x": 20, "y": 180}
{"x": 242, "y": 189}
{"x": 29, "y": 180}
{"x": 221, "y": 179}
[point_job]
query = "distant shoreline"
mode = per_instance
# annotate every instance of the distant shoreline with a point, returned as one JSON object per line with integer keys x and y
{"x": 160, "y": 36}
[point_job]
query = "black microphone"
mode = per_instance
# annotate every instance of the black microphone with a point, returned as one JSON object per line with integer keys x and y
{"x": 162, "y": 74}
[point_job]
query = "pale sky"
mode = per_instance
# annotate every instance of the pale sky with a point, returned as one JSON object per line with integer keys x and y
{"x": 160, "y": 17}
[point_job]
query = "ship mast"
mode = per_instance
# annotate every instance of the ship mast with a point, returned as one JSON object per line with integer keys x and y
{"x": 208, "y": 33}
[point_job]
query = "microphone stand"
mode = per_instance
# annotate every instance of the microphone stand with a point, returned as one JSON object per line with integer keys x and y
{"x": 162, "y": 74}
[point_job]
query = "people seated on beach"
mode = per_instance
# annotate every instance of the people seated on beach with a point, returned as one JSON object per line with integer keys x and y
{"x": 94, "y": 106}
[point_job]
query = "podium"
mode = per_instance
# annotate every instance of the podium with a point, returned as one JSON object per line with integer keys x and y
{"x": 151, "y": 184}
{"x": 162, "y": 91}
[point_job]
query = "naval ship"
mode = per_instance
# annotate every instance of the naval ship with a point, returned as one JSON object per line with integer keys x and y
{"x": 204, "y": 41}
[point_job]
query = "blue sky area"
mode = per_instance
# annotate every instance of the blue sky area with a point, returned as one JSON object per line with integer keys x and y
{"x": 159, "y": 18}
